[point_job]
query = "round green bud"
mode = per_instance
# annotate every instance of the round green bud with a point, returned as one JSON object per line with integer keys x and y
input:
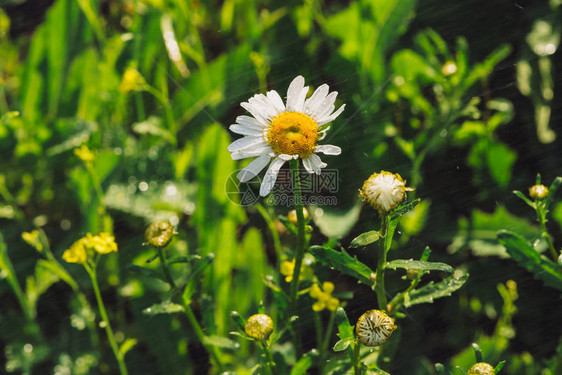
{"x": 538, "y": 192}
{"x": 159, "y": 234}
{"x": 259, "y": 326}
{"x": 481, "y": 368}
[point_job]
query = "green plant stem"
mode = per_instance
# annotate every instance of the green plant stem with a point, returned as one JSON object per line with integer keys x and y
{"x": 396, "y": 302}
{"x": 541, "y": 216}
{"x": 299, "y": 251}
{"x": 381, "y": 265}
{"x": 357, "y": 358}
{"x": 274, "y": 234}
{"x": 165, "y": 269}
{"x": 105, "y": 319}
{"x": 201, "y": 335}
{"x": 189, "y": 312}
{"x": 328, "y": 335}
{"x": 270, "y": 361}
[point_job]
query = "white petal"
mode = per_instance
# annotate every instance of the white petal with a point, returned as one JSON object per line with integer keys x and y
{"x": 267, "y": 108}
{"x": 257, "y": 110}
{"x": 312, "y": 104}
{"x": 332, "y": 117}
{"x": 252, "y": 169}
{"x": 250, "y": 122}
{"x": 245, "y": 130}
{"x": 296, "y": 94}
{"x": 307, "y": 165}
{"x": 287, "y": 157}
{"x": 326, "y": 107}
{"x": 323, "y": 132}
{"x": 245, "y": 143}
{"x": 276, "y": 100}
{"x": 328, "y": 149}
{"x": 316, "y": 163}
{"x": 271, "y": 176}
{"x": 243, "y": 154}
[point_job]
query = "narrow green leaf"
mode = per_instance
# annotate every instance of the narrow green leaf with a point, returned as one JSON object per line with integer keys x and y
{"x": 345, "y": 330}
{"x": 344, "y": 263}
{"x": 527, "y": 257}
{"x": 552, "y": 190}
{"x": 365, "y": 239}
{"x": 432, "y": 291}
{"x": 149, "y": 272}
{"x": 163, "y": 308}
{"x": 419, "y": 265}
{"x": 341, "y": 345}
{"x": 522, "y": 196}
{"x": 302, "y": 366}
{"x": 477, "y": 352}
{"x": 499, "y": 367}
{"x": 220, "y": 342}
{"x": 126, "y": 346}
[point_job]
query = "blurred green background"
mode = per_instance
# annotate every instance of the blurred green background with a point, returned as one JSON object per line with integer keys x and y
{"x": 462, "y": 98}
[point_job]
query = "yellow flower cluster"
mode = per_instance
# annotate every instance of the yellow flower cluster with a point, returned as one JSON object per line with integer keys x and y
{"x": 85, "y": 247}
{"x": 324, "y": 297}
{"x": 84, "y": 153}
{"x": 288, "y": 267}
{"x": 132, "y": 81}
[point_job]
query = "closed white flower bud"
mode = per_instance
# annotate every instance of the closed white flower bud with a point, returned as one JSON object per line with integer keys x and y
{"x": 374, "y": 328}
{"x": 384, "y": 191}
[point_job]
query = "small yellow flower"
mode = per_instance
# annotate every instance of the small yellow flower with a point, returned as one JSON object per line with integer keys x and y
{"x": 84, "y": 153}
{"x": 259, "y": 326}
{"x": 132, "y": 81}
{"x": 374, "y": 328}
{"x": 288, "y": 267}
{"x": 292, "y": 216}
{"x": 159, "y": 234}
{"x": 384, "y": 191}
{"x": 103, "y": 243}
{"x": 76, "y": 253}
{"x": 538, "y": 192}
{"x": 324, "y": 297}
{"x": 481, "y": 368}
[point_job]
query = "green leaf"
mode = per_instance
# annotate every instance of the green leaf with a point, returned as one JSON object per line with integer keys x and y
{"x": 220, "y": 342}
{"x": 432, "y": 291}
{"x": 365, "y": 239}
{"x": 126, "y": 346}
{"x": 344, "y": 263}
{"x": 527, "y": 257}
{"x": 345, "y": 330}
{"x": 477, "y": 352}
{"x": 163, "y": 308}
{"x": 144, "y": 271}
{"x": 303, "y": 364}
{"x": 479, "y": 233}
{"x": 341, "y": 345}
{"x": 419, "y": 265}
{"x": 552, "y": 190}
{"x": 499, "y": 367}
{"x": 335, "y": 223}
{"x": 500, "y": 159}
{"x": 522, "y": 196}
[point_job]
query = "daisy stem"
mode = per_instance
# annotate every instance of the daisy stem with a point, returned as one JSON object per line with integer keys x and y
{"x": 381, "y": 265}
{"x": 357, "y": 358}
{"x": 299, "y": 253}
{"x": 103, "y": 313}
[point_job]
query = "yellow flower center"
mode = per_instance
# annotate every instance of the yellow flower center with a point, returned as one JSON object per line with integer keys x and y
{"x": 293, "y": 133}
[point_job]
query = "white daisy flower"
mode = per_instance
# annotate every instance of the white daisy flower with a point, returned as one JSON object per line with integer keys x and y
{"x": 278, "y": 133}
{"x": 384, "y": 191}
